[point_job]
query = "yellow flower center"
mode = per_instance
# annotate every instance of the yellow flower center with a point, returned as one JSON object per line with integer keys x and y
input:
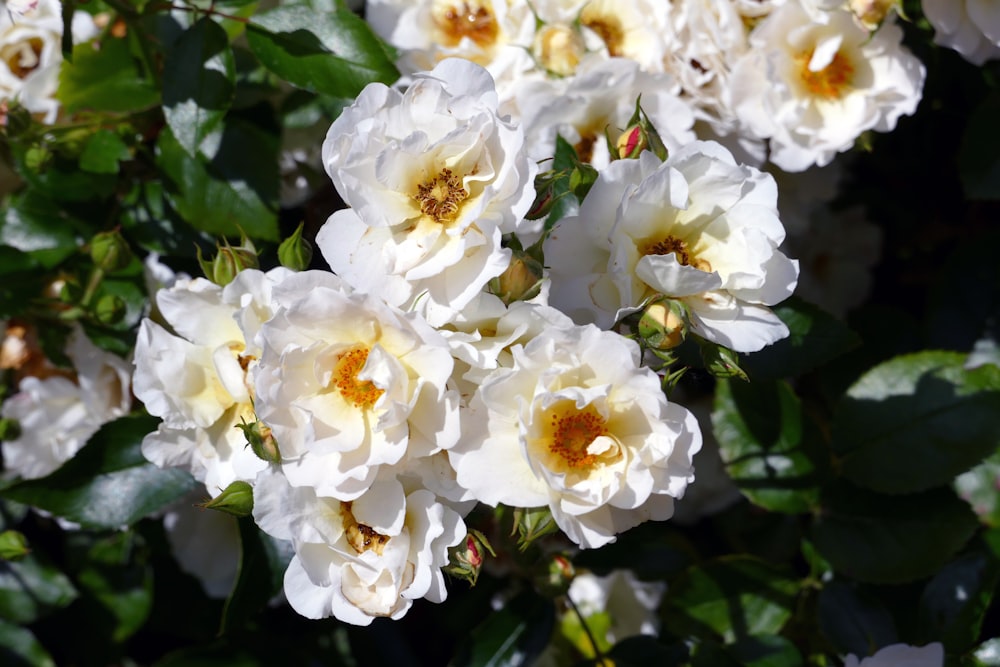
{"x": 24, "y": 58}
{"x": 469, "y": 19}
{"x": 360, "y": 393}
{"x": 440, "y": 197}
{"x": 672, "y": 244}
{"x": 359, "y": 536}
{"x": 558, "y": 48}
{"x": 829, "y": 83}
{"x": 607, "y": 27}
{"x": 572, "y": 431}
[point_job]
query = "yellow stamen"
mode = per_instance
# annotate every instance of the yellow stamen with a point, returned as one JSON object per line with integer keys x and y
{"x": 829, "y": 83}
{"x": 361, "y": 393}
{"x": 441, "y": 196}
{"x": 359, "y": 536}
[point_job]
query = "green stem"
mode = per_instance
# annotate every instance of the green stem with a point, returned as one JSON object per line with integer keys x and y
{"x": 598, "y": 654}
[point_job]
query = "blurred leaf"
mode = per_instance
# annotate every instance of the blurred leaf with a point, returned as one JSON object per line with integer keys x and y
{"x": 103, "y": 152}
{"x": 513, "y": 636}
{"x": 30, "y": 589}
{"x": 263, "y": 561}
{"x": 852, "y": 620}
{"x": 335, "y": 53}
{"x": 35, "y": 225}
{"x": 104, "y": 77}
{"x": 980, "y": 487}
{"x": 917, "y": 421}
{"x": 236, "y": 190}
{"x": 199, "y": 78}
{"x": 730, "y": 598}
{"x": 816, "y": 337}
{"x": 957, "y": 598}
{"x": 643, "y": 651}
{"x": 108, "y": 484}
{"x": 709, "y": 653}
{"x": 652, "y": 550}
{"x": 765, "y": 651}
{"x": 979, "y": 155}
{"x": 769, "y": 446}
{"x": 20, "y": 648}
{"x": 965, "y": 296}
{"x": 890, "y": 539}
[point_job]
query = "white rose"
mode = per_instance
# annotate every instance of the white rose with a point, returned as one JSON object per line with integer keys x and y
{"x": 629, "y": 603}
{"x": 576, "y": 424}
{"x": 971, "y": 27}
{"x": 902, "y": 655}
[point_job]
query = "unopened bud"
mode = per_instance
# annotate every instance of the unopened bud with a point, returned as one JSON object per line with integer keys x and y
{"x": 467, "y": 557}
{"x": 236, "y": 499}
{"x": 532, "y": 523}
{"x": 545, "y": 195}
{"x": 521, "y": 281}
{"x": 663, "y": 325}
{"x": 261, "y": 441}
{"x": 229, "y": 261}
{"x": 109, "y": 251}
{"x": 556, "y": 576}
{"x": 640, "y": 136}
{"x": 13, "y": 545}
{"x": 721, "y": 361}
{"x": 295, "y": 252}
{"x": 109, "y": 310}
{"x": 632, "y": 142}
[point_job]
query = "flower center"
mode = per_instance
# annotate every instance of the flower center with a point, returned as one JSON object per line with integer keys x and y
{"x": 558, "y": 49}
{"x": 830, "y": 82}
{"x": 441, "y": 196}
{"x": 470, "y": 19}
{"x": 672, "y": 244}
{"x": 24, "y": 58}
{"x": 361, "y": 393}
{"x": 359, "y": 536}
{"x": 608, "y": 28}
{"x": 572, "y": 433}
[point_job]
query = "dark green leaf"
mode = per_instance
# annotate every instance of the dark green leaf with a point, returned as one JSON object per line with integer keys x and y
{"x": 979, "y": 156}
{"x": 965, "y": 296}
{"x": 651, "y": 550}
{"x": 30, "y": 589}
{"x": 118, "y": 584}
{"x": 730, "y": 598}
{"x": 199, "y": 78}
{"x": 815, "y": 338}
{"x": 108, "y": 484}
{"x": 852, "y": 620}
{"x": 513, "y": 636}
{"x": 890, "y": 539}
{"x": 20, "y": 648}
{"x": 643, "y": 651}
{"x": 35, "y": 225}
{"x": 105, "y": 77}
{"x": 765, "y": 651}
{"x": 917, "y": 421}
{"x": 563, "y": 163}
{"x": 769, "y": 446}
{"x": 103, "y": 152}
{"x": 335, "y": 53}
{"x": 263, "y": 561}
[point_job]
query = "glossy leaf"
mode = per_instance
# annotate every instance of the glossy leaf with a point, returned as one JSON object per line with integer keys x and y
{"x": 105, "y": 76}
{"x": 20, "y": 648}
{"x": 512, "y": 636}
{"x": 769, "y": 446}
{"x": 108, "y": 484}
{"x": 730, "y": 598}
{"x": 852, "y": 620}
{"x": 116, "y": 584}
{"x": 765, "y": 651}
{"x": 917, "y": 421}
{"x": 335, "y": 53}
{"x": 31, "y": 589}
{"x": 35, "y": 225}
{"x": 199, "y": 78}
{"x": 103, "y": 153}
{"x": 890, "y": 539}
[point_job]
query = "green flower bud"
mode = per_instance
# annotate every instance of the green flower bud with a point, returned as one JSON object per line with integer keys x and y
{"x": 521, "y": 281}
{"x": 13, "y": 545}
{"x": 109, "y": 310}
{"x": 236, "y": 499}
{"x": 532, "y": 523}
{"x": 295, "y": 252}
{"x": 663, "y": 325}
{"x": 261, "y": 441}
{"x": 229, "y": 261}
{"x": 10, "y": 429}
{"x": 545, "y": 195}
{"x": 466, "y": 559}
{"x": 721, "y": 361}
{"x": 110, "y": 252}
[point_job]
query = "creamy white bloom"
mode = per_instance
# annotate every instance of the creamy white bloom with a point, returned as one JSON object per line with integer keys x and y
{"x": 812, "y": 88}
{"x": 205, "y": 543}
{"x": 348, "y": 384}
{"x": 902, "y": 655}
{"x": 195, "y": 376}
{"x": 58, "y": 413}
{"x": 629, "y": 603}
{"x": 31, "y": 53}
{"x": 361, "y": 559}
{"x": 698, "y": 228}
{"x": 578, "y": 425}
{"x": 434, "y": 177}
{"x": 971, "y": 27}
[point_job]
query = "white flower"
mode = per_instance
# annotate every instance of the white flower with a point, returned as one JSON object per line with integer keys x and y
{"x": 196, "y": 379}
{"x": 902, "y": 655}
{"x": 971, "y": 27}
{"x": 206, "y": 544}
{"x": 31, "y": 53}
{"x": 361, "y": 559}
{"x": 576, "y": 424}
{"x": 57, "y": 414}
{"x": 348, "y": 384}
{"x": 434, "y": 178}
{"x": 629, "y": 603}
{"x": 812, "y": 88}
{"x": 697, "y": 227}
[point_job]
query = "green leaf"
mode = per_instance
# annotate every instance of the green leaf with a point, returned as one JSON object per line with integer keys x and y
{"x": 852, "y": 620}
{"x": 199, "y": 83}
{"x": 513, "y": 636}
{"x": 104, "y": 77}
{"x": 917, "y": 421}
{"x": 769, "y": 446}
{"x": 335, "y": 53}
{"x": 263, "y": 561}
{"x": 108, "y": 484}
{"x": 815, "y": 338}
{"x": 765, "y": 651}
{"x": 237, "y": 190}
{"x": 36, "y": 225}
{"x": 103, "y": 152}
{"x": 978, "y": 161}
{"x": 890, "y": 539}
{"x": 20, "y": 648}
{"x": 643, "y": 651}
{"x": 980, "y": 487}
{"x": 730, "y": 598}
{"x": 30, "y": 589}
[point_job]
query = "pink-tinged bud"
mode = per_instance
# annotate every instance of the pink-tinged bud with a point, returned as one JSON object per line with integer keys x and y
{"x": 631, "y": 143}
{"x": 555, "y": 578}
{"x": 466, "y": 559}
